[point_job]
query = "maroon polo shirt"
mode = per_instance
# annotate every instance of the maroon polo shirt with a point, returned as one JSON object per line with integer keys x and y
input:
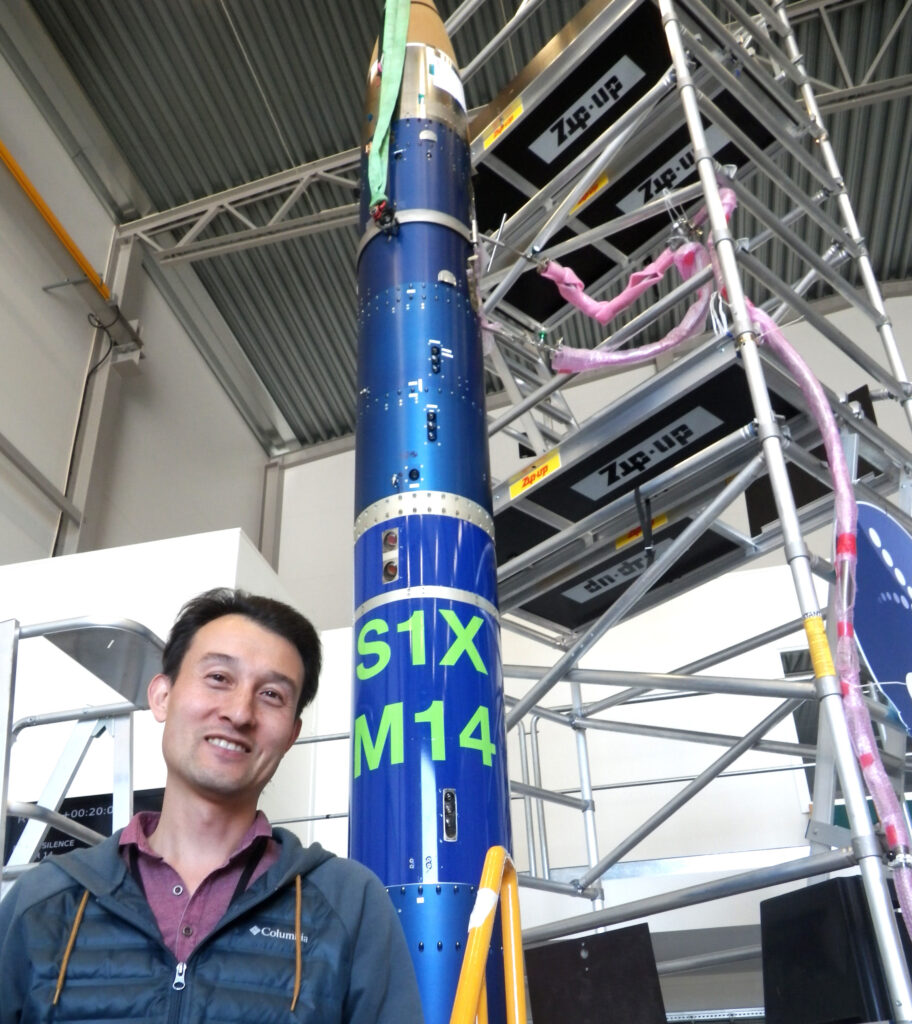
{"x": 185, "y": 920}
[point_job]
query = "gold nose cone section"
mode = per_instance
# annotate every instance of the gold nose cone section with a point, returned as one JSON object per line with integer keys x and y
{"x": 425, "y": 26}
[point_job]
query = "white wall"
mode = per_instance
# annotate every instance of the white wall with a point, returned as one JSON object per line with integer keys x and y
{"x": 315, "y": 544}
{"x": 44, "y": 336}
{"x": 148, "y": 582}
{"x": 175, "y": 456}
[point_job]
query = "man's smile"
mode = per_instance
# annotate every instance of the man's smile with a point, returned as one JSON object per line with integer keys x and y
{"x": 219, "y": 741}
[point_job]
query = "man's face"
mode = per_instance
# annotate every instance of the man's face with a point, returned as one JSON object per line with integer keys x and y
{"x": 230, "y": 713}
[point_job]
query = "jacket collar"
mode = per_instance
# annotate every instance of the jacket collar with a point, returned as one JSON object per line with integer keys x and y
{"x": 101, "y": 869}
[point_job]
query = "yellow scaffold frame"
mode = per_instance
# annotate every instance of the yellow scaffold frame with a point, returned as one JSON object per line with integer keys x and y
{"x": 498, "y": 884}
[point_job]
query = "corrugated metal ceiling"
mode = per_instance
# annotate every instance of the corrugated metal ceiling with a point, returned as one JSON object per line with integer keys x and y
{"x": 205, "y": 95}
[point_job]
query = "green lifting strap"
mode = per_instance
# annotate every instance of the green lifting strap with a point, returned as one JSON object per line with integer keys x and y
{"x": 392, "y": 62}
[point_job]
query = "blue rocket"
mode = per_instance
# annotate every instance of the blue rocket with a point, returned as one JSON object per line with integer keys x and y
{"x": 430, "y": 789}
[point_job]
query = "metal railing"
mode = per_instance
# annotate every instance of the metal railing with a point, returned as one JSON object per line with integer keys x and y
{"x": 121, "y": 653}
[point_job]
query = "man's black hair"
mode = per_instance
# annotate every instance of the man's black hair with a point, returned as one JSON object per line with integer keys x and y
{"x": 275, "y": 616}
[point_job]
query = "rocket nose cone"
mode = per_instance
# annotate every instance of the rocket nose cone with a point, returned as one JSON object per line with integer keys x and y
{"x": 426, "y": 26}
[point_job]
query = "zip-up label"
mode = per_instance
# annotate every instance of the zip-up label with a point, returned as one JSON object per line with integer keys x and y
{"x": 179, "y": 977}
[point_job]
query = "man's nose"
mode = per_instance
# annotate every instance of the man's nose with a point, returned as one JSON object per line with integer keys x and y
{"x": 239, "y": 706}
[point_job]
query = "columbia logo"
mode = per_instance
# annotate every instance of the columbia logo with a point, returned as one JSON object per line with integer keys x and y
{"x": 275, "y": 933}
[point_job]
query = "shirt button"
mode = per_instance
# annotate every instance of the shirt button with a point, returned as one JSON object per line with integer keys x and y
{"x": 177, "y": 890}
{"x": 187, "y": 930}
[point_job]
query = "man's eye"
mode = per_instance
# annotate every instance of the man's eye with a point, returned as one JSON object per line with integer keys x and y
{"x": 218, "y": 677}
{"x": 274, "y": 696}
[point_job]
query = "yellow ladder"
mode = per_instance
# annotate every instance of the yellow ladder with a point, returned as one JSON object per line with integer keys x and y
{"x": 498, "y": 884}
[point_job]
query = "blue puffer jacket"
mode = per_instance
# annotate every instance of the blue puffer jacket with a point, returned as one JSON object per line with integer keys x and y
{"x": 79, "y": 926}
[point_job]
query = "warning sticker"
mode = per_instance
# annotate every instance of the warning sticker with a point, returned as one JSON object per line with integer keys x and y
{"x": 534, "y": 474}
{"x": 637, "y": 532}
{"x": 594, "y": 188}
{"x": 507, "y": 121}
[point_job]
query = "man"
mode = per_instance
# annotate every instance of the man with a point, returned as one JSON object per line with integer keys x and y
{"x": 205, "y": 913}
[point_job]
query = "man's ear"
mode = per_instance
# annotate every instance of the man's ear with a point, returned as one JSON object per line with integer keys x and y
{"x": 158, "y": 693}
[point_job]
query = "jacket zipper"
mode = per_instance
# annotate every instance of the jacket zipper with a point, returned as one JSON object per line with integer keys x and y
{"x": 178, "y": 984}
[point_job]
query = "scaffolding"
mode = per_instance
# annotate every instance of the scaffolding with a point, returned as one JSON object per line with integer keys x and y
{"x": 617, "y": 516}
